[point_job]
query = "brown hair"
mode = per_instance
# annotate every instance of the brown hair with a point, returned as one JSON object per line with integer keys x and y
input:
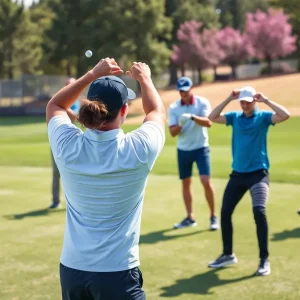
{"x": 93, "y": 114}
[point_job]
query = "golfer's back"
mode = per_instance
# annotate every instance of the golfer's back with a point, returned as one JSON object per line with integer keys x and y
{"x": 104, "y": 174}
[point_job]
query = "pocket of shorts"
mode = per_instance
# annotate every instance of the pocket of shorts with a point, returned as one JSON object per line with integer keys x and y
{"x": 137, "y": 276}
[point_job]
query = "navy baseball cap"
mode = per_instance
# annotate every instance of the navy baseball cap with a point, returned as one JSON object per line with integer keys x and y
{"x": 112, "y": 91}
{"x": 184, "y": 84}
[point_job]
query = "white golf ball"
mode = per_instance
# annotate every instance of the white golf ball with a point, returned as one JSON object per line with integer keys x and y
{"x": 88, "y": 53}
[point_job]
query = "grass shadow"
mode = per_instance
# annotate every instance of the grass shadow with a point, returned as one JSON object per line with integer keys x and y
{"x": 157, "y": 236}
{"x": 200, "y": 284}
{"x": 34, "y": 213}
{"x": 286, "y": 234}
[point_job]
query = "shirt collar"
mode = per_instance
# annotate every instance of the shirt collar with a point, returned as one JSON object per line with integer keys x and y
{"x": 103, "y": 136}
{"x": 255, "y": 112}
{"x": 191, "y": 102}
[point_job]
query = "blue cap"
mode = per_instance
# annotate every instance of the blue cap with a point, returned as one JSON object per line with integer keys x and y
{"x": 184, "y": 84}
{"x": 112, "y": 91}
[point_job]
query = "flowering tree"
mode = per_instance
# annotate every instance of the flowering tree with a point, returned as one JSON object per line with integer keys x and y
{"x": 198, "y": 47}
{"x": 270, "y": 35}
{"x": 236, "y": 47}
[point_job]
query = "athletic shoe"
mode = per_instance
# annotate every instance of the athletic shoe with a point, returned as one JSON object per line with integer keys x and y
{"x": 264, "y": 268}
{"x": 55, "y": 205}
{"x": 223, "y": 260}
{"x": 214, "y": 224}
{"x": 187, "y": 222}
{"x": 299, "y": 212}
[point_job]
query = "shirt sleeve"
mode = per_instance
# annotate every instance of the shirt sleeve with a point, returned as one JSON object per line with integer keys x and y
{"x": 60, "y": 132}
{"x": 267, "y": 118}
{"x": 229, "y": 118}
{"x": 148, "y": 141}
{"x": 205, "y": 108}
{"x": 173, "y": 120}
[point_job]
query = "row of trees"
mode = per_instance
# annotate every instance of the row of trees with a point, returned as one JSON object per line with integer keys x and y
{"x": 51, "y": 36}
{"x": 267, "y": 36}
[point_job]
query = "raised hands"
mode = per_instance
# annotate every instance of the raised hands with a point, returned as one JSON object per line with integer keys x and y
{"x": 139, "y": 70}
{"x": 105, "y": 67}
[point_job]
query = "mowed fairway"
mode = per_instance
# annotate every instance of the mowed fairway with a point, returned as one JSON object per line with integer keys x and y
{"x": 174, "y": 263}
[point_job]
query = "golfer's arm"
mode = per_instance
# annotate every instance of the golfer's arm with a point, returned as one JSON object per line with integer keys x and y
{"x": 215, "y": 116}
{"x": 202, "y": 121}
{"x": 175, "y": 130}
{"x": 281, "y": 113}
{"x": 152, "y": 103}
{"x": 71, "y": 114}
{"x": 64, "y": 98}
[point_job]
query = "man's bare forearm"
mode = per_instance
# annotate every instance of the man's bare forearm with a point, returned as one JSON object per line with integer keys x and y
{"x": 70, "y": 93}
{"x": 216, "y": 112}
{"x": 150, "y": 97}
{"x": 175, "y": 130}
{"x": 202, "y": 121}
{"x": 280, "y": 110}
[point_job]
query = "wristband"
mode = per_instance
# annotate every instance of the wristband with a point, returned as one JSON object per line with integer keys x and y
{"x": 192, "y": 118}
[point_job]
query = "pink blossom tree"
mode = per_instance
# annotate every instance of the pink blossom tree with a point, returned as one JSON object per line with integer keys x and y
{"x": 236, "y": 47}
{"x": 270, "y": 35}
{"x": 198, "y": 47}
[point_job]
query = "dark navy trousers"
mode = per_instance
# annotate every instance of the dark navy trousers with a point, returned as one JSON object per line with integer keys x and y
{"x": 83, "y": 285}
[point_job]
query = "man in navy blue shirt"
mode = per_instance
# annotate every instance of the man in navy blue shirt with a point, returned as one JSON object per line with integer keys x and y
{"x": 250, "y": 168}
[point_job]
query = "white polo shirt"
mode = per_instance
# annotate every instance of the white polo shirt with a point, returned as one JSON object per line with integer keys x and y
{"x": 192, "y": 135}
{"x": 104, "y": 174}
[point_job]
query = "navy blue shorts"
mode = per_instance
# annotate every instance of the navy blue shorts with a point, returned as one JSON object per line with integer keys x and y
{"x": 83, "y": 285}
{"x": 186, "y": 159}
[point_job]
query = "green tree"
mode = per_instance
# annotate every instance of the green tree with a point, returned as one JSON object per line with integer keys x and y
{"x": 136, "y": 30}
{"x": 186, "y": 10}
{"x": 20, "y": 44}
{"x": 233, "y": 12}
{"x": 292, "y": 8}
{"x": 70, "y": 33}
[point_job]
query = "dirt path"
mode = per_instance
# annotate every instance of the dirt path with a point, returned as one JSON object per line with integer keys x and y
{"x": 282, "y": 89}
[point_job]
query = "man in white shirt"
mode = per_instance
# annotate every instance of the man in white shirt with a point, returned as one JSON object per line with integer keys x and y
{"x": 104, "y": 174}
{"x": 188, "y": 119}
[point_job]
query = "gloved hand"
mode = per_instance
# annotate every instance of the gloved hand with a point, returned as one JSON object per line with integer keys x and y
{"x": 183, "y": 118}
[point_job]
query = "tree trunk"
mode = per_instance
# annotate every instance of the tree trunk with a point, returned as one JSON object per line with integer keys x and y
{"x": 68, "y": 69}
{"x": 269, "y": 62}
{"x": 80, "y": 66}
{"x": 10, "y": 71}
{"x": 182, "y": 70}
{"x": 215, "y": 73}
{"x": 199, "y": 76}
{"x": 173, "y": 73}
{"x": 233, "y": 71}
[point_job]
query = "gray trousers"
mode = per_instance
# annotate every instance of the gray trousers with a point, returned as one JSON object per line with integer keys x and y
{"x": 55, "y": 181}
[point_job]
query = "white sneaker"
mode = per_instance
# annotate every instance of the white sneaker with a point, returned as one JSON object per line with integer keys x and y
{"x": 223, "y": 260}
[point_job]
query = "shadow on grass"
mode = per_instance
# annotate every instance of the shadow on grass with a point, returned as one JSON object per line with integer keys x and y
{"x": 286, "y": 234}
{"x": 200, "y": 284}
{"x": 34, "y": 213}
{"x": 12, "y": 121}
{"x": 157, "y": 236}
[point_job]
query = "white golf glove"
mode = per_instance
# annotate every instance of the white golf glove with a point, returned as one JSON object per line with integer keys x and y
{"x": 183, "y": 118}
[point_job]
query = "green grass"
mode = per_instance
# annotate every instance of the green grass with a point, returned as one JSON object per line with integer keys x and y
{"x": 174, "y": 263}
{"x": 23, "y": 142}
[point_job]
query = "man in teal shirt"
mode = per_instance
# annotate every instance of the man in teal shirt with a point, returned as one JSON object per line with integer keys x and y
{"x": 250, "y": 168}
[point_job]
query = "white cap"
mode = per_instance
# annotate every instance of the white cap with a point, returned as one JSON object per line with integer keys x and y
{"x": 246, "y": 94}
